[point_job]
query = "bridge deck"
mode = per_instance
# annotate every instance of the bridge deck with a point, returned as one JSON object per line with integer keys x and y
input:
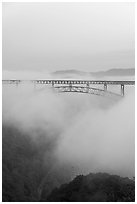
{"x": 60, "y": 81}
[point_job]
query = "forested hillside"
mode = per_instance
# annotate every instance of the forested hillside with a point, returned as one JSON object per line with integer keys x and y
{"x": 30, "y": 173}
{"x": 28, "y": 167}
{"x": 100, "y": 187}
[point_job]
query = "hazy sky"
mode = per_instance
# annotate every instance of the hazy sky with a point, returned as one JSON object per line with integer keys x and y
{"x": 59, "y": 36}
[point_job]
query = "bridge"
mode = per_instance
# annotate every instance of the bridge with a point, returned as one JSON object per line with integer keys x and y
{"x": 80, "y": 86}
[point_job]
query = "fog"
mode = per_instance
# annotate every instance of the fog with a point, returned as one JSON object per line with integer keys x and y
{"x": 89, "y": 133}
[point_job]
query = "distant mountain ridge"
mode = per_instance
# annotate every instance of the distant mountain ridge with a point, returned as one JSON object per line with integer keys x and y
{"x": 116, "y": 72}
{"x": 110, "y": 72}
{"x": 70, "y": 71}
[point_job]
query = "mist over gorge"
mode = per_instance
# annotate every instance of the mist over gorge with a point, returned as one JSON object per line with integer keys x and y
{"x": 50, "y": 137}
{"x": 89, "y": 132}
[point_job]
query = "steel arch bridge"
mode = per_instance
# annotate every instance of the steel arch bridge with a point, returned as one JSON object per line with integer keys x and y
{"x": 78, "y": 86}
{"x": 87, "y": 90}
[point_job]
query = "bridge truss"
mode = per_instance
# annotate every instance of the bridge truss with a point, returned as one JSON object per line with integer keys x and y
{"x": 88, "y": 90}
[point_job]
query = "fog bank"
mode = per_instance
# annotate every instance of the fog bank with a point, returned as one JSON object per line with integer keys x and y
{"x": 91, "y": 133}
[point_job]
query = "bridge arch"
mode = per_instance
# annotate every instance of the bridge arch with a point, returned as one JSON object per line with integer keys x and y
{"x": 87, "y": 90}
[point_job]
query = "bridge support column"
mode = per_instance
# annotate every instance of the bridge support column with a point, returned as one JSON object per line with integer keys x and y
{"x": 52, "y": 84}
{"x": 70, "y": 86}
{"x": 105, "y": 87}
{"x": 122, "y": 89}
{"x": 87, "y": 87}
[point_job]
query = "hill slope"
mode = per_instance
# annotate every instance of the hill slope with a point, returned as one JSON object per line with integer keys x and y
{"x": 100, "y": 187}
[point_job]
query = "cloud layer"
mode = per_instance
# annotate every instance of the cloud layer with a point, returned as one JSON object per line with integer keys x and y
{"x": 92, "y": 133}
